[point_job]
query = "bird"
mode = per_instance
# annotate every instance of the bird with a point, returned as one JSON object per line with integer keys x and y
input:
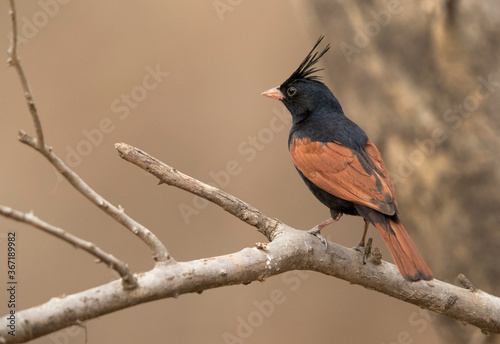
{"x": 341, "y": 166}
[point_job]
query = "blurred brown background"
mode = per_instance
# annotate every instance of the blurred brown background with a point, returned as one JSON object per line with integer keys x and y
{"x": 398, "y": 68}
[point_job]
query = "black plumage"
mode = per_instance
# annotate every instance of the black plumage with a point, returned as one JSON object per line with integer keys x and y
{"x": 340, "y": 165}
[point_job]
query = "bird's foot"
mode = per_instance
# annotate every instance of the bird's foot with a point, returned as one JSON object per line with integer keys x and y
{"x": 360, "y": 246}
{"x": 316, "y": 231}
{"x": 365, "y": 250}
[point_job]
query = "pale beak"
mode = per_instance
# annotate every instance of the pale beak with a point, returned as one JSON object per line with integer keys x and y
{"x": 274, "y": 93}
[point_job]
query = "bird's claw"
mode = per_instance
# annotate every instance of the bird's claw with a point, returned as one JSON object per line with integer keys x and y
{"x": 360, "y": 247}
{"x": 366, "y": 250}
{"x": 317, "y": 233}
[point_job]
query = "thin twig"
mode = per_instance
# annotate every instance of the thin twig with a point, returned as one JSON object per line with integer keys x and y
{"x": 128, "y": 280}
{"x": 14, "y": 61}
{"x": 160, "y": 252}
{"x": 466, "y": 283}
{"x": 171, "y": 176}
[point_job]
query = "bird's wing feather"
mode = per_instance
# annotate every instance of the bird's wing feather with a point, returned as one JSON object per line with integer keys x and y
{"x": 358, "y": 177}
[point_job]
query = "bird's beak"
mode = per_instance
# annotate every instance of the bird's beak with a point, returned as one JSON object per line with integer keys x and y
{"x": 274, "y": 93}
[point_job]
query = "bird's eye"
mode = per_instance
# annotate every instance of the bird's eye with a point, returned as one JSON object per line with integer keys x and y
{"x": 291, "y": 91}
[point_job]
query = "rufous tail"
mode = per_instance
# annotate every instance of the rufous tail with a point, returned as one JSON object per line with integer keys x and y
{"x": 404, "y": 252}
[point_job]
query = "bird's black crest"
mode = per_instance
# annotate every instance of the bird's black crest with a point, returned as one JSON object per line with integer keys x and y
{"x": 306, "y": 68}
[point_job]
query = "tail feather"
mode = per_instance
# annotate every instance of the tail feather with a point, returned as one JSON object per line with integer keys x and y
{"x": 404, "y": 252}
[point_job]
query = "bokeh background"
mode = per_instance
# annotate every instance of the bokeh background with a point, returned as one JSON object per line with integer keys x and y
{"x": 182, "y": 81}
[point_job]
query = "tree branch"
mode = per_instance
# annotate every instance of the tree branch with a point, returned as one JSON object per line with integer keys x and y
{"x": 160, "y": 252}
{"x": 169, "y": 175}
{"x": 128, "y": 280}
{"x": 290, "y": 249}
{"x": 434, "y": 295}
{"x": 14, "y": 61}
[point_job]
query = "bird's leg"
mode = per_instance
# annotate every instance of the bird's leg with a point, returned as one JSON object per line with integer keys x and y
{"x": 361, "y": 244}
{"x": 367, "y": 250}
{"x": 316, "y": 230}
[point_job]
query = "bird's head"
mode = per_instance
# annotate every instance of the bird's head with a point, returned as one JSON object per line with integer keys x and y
{"x": 303, "y": 93}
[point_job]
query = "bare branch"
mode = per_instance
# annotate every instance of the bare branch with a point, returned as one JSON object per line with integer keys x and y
{"x": 169, "y": 175}
{"x": 160, "y": 252}
{"x": 14, "y": 61}
{"x": 466, "y": 283}
{"x": 291, "y": 250}
{"x": 128, "y": 280}
{"x": 434, "y": 295}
